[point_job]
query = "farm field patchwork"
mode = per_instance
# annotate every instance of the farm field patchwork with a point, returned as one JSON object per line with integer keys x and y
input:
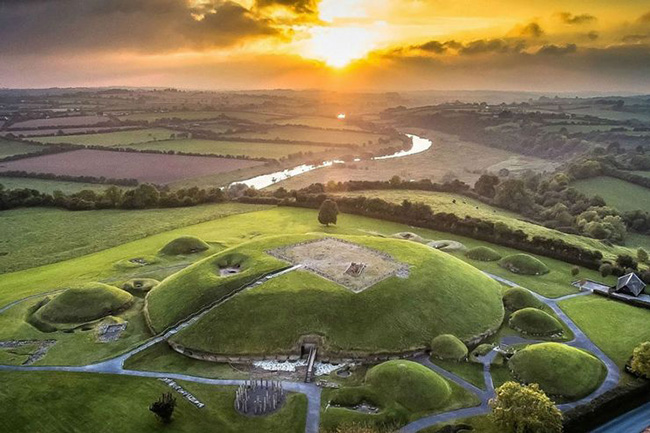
{"x": 49, "y": 186}
{"x": 111, "y": 139}
{"x": 318, "y": 122}
{"x": 250, "y": 116}
{"x": 624, "y": 196}
{"x": 299, "y": 133}
{"x": 60, "y": 121}
{"x": 12, "y": 148}
{"x": 145, "y": 167}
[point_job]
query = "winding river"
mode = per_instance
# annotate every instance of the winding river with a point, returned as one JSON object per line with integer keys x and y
{"x": 419, "y": 145}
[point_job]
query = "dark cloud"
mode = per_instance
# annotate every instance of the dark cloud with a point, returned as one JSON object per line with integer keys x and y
{"x": 530, "y": 30}
{"x": 592, "y": 36}
{"x": 569, "y": 18}
{"x": 478, "y": 46}
{"x": 298, "y": 6}
{"x": 645, "y": 18}
{"x": 632, "y": 39}
{"x": 557, "y": 50}
{"x": 150, "y": 26}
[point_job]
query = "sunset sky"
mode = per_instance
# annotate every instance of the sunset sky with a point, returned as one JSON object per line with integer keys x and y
{"x": 544, "y": 45}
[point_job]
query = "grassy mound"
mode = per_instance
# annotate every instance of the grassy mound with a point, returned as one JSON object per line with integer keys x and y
{"x": 412, "y": 385}
{"x": 524, "y": 264}
{"x": 409, "y": 236}
{"x": 184, "y": 245}
{"x": 535, "y": 322}
{"x": 447, "y": 346}
{"x": 483, "y": 254}
{"x": 560, "y": 370}
{"x": 517, "y": 298}
{"x": 274, "y": 316}
{"x": 140, "y": 284}
{"x": 83, "y": 304}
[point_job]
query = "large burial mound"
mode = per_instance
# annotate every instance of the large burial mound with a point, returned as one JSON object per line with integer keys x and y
{"x": 183, "y": 246}
{"x": 412, "y": 385}
{"x": 396, "y": 313}
{"x": 84, "y": 304}
{"x": 524, "y": 264}
{"x": 532, "y": 321}
{"x": 560, "y": 370}
{"x": 483, "y": 254}
{"x": 517, "y": 298}
{"x": 448, "y": 346}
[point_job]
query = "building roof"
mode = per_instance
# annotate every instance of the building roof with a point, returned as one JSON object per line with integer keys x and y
{"x": 631, "y": 282}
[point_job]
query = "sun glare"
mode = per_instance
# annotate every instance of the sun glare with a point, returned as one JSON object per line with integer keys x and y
{"x": 338, "y": 46}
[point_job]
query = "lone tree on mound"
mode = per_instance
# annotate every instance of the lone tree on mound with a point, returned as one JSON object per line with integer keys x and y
{"x": 164, "y": 407}
{"x": 640, "y": 361}
{"x": 328, "y": 212}
{"x": 525, "y": 408}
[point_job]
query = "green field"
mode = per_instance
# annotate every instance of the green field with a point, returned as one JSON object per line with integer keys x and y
{"x": 38, "y": 236}
{"x": 622, "y": 195}
{"x": 301, "y": 133}
{"x": 49, "y": 186}
{"x": 81, "y": 403}
{"x": 235, "y": 148}
{"x": 12, "y": 148}
{"x": 111, "y": 139}
{"x": 463, "y": 206}
{"x": 276, "y": 315}
{"x": 250, "y": 116}
{"x": 318, "y": 122}
{"x": 612, "y": 325}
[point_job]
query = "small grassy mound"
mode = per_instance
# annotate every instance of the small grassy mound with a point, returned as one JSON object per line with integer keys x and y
{"x": 408, "y": 236}
{"x": 524, "y": 264}
{"x": 535, "y": 322}
{"x": 140, "y": 284}
{"x": 184, "y": 245}
{"x": 447, "y": 346}
{"x": 483, "y": 254}
{"x": 517, "y": 298}
{"x": 560, "y": 370}
{"x": 412, "y": 385}
{"x": 83, "y": 304}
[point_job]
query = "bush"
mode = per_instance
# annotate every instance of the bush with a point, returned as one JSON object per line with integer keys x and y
{"x": 523, "y": 408}
{"x": 640, "y": 361}
{"x": 517, "y": 298}
{"x": 447, "y": 346}
{"x": 575, "y": 271}
{"x": 605, "y": 270}
{"x": 483, "y": 254}
{"x": 184, "y": 245}
{"x": 532, "y": 321}
{"x": 524, "y": 264}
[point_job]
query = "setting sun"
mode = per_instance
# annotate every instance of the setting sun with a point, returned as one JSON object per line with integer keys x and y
{"x": 338, "y": 46}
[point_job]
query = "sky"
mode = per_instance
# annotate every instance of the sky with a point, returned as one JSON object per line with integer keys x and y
{"x": 344, "y": 45}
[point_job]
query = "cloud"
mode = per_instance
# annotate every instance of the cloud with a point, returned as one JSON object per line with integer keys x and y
{"x": 530, "y": 30}
{"x": 569, "y": 18}
{"x": 645, "y": 18}
{"x": 592, "y": 36}
{"x": 557, "y": 50}
{"x": 148, "y": 26}
{"x": 298, "y": 6}
{"x": 633, "y": 39}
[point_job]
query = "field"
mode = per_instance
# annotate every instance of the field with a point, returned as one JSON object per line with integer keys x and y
{"x": 624, "y": 196}
{"x": 200, "y": 115}
{"x": 466, "y": 160}
{"x": 11, "y": 148}
{"x": 111, "y": 139}
{"x": 234, "y": 148}
{"x": 145, "y": 167}
{"x": 80, "y": 403}
{"x": 49, "y": 186}
{"x": 35, "y": 237}
{"x": 73, "y": 130}
{"x": 60, "y": 121}
{"x": 298, "y": 133}
{"x": 318, "y": 122}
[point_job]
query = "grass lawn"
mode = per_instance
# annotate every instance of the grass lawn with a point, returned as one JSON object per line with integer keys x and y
{"x": 38, "y": 236}
{"x": 111, "y": 139}
{"x": 318, "y": 122}
{"x": 82, "y": 402}
{"x": 49, "y": 186}
{"x": 472, "y": 372}
{"x": 234, "y": 148}
{"x": 482, "y": 424}
{"x": 161, "y": 357}
{"x": 624, "y": 196}
{"x": 615, "y": 327}
{"x": 392, "y": 315}
{"x": 11, "y": 148}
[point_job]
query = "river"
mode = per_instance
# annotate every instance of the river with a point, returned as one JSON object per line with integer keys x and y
{"x": 419, "y": 145}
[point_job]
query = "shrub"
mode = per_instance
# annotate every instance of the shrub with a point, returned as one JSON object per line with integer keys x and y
{"x": 447, "y": 346}
{"x": 164, "y": 407}
{"x": 575, "y": 271}
{"x": 517, "y": 298}
{"x": 521, "y": 408}
{"x": 328, "y": 212}
{"x": 605, "y": 270}
{"x": 184, "y": 245}
{"x": 483, "y": 254}
{"x": 640, "y": 361}
{"x": 524, "y": 264}
{"x": 534, "y": 322}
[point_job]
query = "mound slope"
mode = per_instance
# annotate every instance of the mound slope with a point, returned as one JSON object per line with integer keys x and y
{"x": 517, "y": 298}
{"x": 560, "y": 370}
{"x": 394, "y": 315}
{"x": 184, "y": 245}
{"x": 83, "y": 304}
{"x": 483, "y": 254}
{"x": 524, "y": 264}
{"x": 535, "y": 322}
{"x": 448, "y": 346}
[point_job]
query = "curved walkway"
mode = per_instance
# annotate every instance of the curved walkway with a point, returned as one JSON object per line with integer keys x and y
{"x": 313, "y": 393}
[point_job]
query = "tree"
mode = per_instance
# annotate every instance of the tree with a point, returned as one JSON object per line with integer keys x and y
{"x": 642, "y": 255}
{"x": 328, "y": 212}
{"x": 575, "y": 271}
{"x": 164, "y": 407}
{"x": 605, "y": 270}
{"x": 626, "y": 261}
{"x": 525, "y": 409}
{"x": 640, "y": 361}
{"x": 485, "y": 185}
